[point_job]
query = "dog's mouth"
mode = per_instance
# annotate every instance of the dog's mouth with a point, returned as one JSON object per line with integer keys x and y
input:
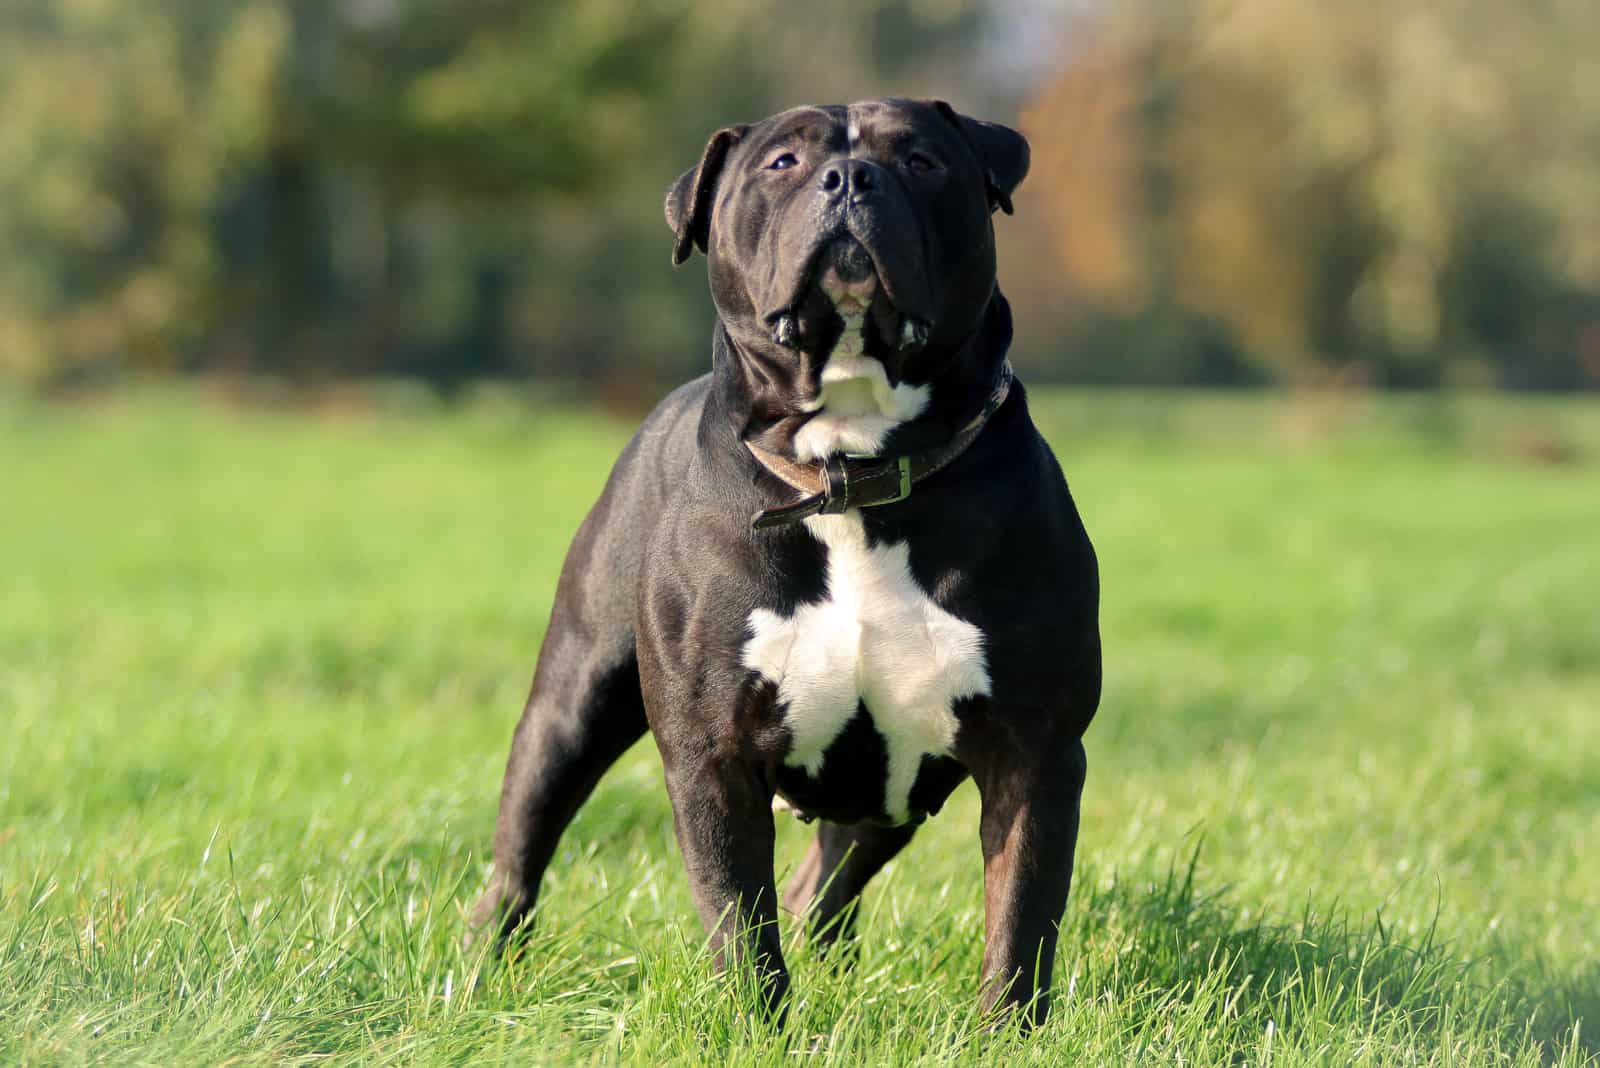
{"x": 842, "y": 295}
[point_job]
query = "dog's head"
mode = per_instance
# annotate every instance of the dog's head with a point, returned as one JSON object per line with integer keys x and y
{"x": 854, "y": 234}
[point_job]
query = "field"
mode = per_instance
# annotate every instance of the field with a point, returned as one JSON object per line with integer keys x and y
{"x": 259, "y": 668}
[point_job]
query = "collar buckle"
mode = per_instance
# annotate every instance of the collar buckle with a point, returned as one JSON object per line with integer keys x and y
{"x": 845, "y": 481}
{"x": 864, "y": 482}
{"x": 904, "y": 465}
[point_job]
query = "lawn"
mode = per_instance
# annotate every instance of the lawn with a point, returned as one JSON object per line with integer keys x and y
{"x": 259, "y": 668}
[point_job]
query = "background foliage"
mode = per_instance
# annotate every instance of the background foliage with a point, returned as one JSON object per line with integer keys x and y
{"x": 1222, "y": 192}
{"x": 1405, "y": 187}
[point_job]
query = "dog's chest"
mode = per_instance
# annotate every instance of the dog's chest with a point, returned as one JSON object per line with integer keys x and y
{"x": 878, "y": 643}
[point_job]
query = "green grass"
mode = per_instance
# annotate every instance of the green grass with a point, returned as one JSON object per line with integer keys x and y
{"x": 259, "y": 669}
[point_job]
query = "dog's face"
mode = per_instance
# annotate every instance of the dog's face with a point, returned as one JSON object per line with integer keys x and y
{"x": 869, "y": 220}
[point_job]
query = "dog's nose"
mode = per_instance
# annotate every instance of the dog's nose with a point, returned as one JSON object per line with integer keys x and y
{"x": 849, "y": 180}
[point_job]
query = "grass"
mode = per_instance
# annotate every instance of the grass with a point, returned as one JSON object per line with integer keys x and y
{"x": 259, "y": 669}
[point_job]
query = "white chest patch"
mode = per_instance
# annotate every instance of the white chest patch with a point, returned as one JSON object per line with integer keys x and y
{"x": 879, "y": 641}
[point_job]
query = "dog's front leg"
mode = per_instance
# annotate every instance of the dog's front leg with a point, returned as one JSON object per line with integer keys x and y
{"x": 723, "y": 817}
{"x": 1029, "y": 829}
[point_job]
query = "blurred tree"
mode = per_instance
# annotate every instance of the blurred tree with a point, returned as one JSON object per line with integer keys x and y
{"x": 265, "y": 177}
{"x": 324, "y": 186}
{"x": 122, "y": 127}
{"x": 1333, "y": 181}
{"x": 1228, "y": 189}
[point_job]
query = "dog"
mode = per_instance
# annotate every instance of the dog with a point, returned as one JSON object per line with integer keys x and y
{"x": 842, "y": 571}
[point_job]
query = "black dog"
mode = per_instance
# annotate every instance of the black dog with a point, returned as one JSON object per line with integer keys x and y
{"x": 843, "y": 569}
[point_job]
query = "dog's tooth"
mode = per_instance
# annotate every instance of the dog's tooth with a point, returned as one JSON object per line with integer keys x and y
{"x": 913, "y": 333}
{"x": 786, "y": 331}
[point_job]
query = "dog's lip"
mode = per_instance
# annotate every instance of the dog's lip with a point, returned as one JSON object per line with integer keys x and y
{"x": 849, "y": 296}
{"x": 810, "y": 279}
{"x": 899, "y": 309}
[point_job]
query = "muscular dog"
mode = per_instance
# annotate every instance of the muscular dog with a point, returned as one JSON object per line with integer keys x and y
{"x": 841, "y": 570}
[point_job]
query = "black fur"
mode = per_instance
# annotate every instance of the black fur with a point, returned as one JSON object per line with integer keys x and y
{"x": 651, "y": 612}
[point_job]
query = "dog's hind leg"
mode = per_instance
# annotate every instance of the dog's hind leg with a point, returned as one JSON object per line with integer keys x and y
{"x": 584, "y": 712}
{"x": 835, "y": 870}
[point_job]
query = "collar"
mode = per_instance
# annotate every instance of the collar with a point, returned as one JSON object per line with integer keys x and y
{"x": 843, "y": 481}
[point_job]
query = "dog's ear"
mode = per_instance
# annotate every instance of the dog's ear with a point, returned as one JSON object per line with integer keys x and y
{"x": 1002, "y": 151}
{"x": 689, "y": 198}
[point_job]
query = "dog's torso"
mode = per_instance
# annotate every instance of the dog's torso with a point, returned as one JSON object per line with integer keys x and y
{"x": 865, "y": 647}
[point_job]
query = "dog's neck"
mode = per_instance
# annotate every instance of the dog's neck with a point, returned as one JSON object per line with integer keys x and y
{"x": 766, "y": 407}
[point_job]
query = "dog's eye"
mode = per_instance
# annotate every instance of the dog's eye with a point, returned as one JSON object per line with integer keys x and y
{"x": 918, "y": 162}
{"x": 783, "y": 162}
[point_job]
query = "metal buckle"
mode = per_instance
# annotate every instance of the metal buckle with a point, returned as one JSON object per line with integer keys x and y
{"x": 905, "y": 479}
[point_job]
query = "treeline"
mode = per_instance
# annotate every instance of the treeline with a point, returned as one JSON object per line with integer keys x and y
{"x": 1401, "y": 192}
{"x": 1222, "y": 191}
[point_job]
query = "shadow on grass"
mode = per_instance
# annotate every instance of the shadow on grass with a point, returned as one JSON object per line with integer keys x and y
{"x": 1173, "y": 946}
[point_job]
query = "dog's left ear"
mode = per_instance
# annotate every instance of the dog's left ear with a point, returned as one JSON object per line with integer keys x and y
{"x": 689, "y": 198}
{"x": 1002, "y": 151}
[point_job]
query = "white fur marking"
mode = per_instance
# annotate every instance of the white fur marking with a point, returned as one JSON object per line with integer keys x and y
{"x": 879, "y": 640}
{"x": 856, "y": 406}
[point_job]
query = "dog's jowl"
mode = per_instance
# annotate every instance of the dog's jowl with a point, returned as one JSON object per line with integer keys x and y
{"x": 842, "y": 571}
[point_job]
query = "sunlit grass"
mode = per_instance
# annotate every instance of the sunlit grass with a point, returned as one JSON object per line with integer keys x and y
{"x": 258, "y": 673}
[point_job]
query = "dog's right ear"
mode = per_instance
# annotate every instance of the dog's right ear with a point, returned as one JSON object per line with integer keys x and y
{"x": 689, "y": 198}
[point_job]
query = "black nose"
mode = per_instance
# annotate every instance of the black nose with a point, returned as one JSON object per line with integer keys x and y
{"x": 850, "y": 180}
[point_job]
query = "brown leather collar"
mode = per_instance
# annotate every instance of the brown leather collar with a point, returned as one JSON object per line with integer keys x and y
{"x": 841, "y": 482}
